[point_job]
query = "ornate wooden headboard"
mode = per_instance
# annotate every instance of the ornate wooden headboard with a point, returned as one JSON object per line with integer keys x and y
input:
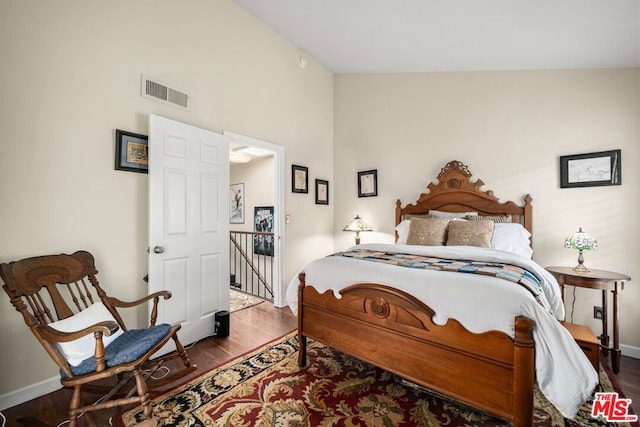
{"x": 455, "y": 192}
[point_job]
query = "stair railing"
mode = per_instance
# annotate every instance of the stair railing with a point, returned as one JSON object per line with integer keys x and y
{"x": 251, "y": 262}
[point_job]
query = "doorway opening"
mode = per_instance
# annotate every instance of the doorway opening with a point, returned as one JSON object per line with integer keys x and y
{"x": 256, "y": 198}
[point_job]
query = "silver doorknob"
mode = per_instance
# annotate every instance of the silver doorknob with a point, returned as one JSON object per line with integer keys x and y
{"x": 158, "y": 249}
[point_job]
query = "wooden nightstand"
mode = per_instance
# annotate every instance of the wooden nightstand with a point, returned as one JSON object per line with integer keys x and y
{"x": 605, "y": 281}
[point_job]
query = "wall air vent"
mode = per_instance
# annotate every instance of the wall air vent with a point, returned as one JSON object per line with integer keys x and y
{"x": 155, "y": 89}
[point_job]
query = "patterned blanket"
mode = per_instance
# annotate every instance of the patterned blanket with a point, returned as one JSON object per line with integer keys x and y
{"x": 508, "y": 272}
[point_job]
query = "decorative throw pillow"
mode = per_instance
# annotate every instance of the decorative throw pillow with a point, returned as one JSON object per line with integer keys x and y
{"x": 77, "y": 350}
{"x": 427, "y": 231}
{"x": 407, "y": 217}
{"x": 451, "y": 215}
{"x": 470, "y": 233}
{"x": 500, "y": 219}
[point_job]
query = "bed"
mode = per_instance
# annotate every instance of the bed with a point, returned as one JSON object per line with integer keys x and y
{"x": 475, "y": 338}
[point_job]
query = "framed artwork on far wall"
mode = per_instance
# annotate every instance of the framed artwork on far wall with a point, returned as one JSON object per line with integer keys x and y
{"x": 368, "y": 183}
{"x": 132, "y": 152}
{"x": 236, "y": 203}
{"x": 591, "y": 169}
{"x": 322, "y": 192}
{"x": 299, "y": 179}
{"x": 263, "y": 223}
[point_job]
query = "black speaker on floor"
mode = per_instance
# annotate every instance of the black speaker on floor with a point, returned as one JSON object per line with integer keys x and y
{"x": 222, "y": 324}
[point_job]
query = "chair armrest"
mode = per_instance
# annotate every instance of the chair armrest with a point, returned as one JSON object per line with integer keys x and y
{"x": 154, "y": 311}
{"x": 125, "y": 304}
{"x": 107, "y": 328}
{"x": 98, "y": 330}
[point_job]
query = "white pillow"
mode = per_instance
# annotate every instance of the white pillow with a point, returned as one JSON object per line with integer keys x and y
{"x": 403, "y": 231}
{"x": 77, "y": 350}
{"x": 512, "y": 237}
{"x": 451, "y": 215}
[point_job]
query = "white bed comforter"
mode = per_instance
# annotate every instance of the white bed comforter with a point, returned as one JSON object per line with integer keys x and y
{"x": 480, "y": 303}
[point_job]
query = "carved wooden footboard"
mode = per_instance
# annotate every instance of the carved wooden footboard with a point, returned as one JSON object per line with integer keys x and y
{"x": 393, "y": 330}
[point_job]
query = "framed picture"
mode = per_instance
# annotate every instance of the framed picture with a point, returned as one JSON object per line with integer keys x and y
{"x": 591, "y": 169}
{"x": 263, "y": 223}
{"x": 299, "y": 179}
{"x": 236, "y": 203}
{"x": 132, "y": 153}
{"x": 322, "y": 192}
{"x": 368, "y": 183}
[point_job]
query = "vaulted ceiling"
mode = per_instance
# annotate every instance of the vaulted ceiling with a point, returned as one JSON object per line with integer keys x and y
{"x": 383, "y": 36}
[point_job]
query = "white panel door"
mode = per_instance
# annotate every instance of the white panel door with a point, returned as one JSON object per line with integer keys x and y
{"x": 188, "y": 224}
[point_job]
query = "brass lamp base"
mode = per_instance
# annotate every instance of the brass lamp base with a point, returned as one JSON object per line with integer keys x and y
{"x": 580, "y": 267}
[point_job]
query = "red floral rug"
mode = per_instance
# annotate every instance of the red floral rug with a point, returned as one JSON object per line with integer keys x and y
{"x": 267, "y": 388}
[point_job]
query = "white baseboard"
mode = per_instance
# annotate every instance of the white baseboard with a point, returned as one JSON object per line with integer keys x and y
{"x": 29, "y": 392}
{"x": 630, "y": 351}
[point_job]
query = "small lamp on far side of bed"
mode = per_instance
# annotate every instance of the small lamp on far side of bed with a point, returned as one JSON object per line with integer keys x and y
{"x": 582, "y": 242}
{"x": 357, "y": 224}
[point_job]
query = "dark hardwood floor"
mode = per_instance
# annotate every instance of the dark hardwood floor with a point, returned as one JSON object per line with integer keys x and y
{"x": 250, "y": 328}
{"x": 629, "y": 379}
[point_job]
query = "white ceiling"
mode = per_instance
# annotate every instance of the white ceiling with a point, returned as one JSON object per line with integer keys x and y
{"x": 387, "y": 36}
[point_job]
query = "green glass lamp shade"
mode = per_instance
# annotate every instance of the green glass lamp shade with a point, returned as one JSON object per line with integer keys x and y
{"x": 582, "y": 242}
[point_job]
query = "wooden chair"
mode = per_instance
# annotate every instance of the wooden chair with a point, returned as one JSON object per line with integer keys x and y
{"x": 55, "y": 295}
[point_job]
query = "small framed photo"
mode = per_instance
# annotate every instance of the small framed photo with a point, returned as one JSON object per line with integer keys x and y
{"x": 299, "y": 179}
{"x": 236, "y": 203}
{"x": 591, "y": 169}
{"x": 132, "y": 152}
{"x": 322, "y": 192}
{"x": 368, "y": 183}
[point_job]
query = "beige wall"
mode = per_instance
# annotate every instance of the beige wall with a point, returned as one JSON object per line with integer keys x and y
{"x": 71, "y": 76}
{"x": 258, "y": 178}
{"x": 510, "y": 129}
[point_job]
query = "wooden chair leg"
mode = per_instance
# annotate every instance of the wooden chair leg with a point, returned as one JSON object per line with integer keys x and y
{"x": 182, "y": 352}
{"x": 143, "y": 393}
{"x": 76, "y": 400}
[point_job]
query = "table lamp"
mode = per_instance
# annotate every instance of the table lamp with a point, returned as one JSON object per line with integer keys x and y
{"x": 357, "y": 224}
{"x": 582, "y": 242}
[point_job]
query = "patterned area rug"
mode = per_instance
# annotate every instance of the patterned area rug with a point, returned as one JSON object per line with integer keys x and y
{"x": 240, "y": 300}
{"x": 267, "y": 388}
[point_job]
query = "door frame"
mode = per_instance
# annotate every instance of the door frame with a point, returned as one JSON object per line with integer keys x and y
{"x": 279, "y": 290}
